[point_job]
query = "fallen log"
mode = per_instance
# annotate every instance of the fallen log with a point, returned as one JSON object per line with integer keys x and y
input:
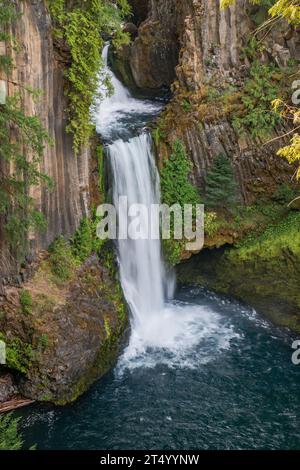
{"x": 14, "y": 404}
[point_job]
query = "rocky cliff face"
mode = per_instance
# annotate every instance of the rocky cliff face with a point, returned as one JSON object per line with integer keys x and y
{"x": 40, "y": 66}
{"x": 190, "y": 45}
{"x": 199, "y": 39}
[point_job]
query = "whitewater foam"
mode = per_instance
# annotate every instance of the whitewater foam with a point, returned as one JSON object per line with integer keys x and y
{"x": 180, "y": 336}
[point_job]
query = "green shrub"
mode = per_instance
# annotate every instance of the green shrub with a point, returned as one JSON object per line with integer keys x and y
{"x": 82, "y": 242}
{"x": 176, "y": 187}
{"x": 284, "y": 194}
{"x": 261, "y": 88}
{"x": 186, "y": 105}
{"x": 26, "y": 301}
{"x": 212, "y": 223}
{"x": 221, "y": 187}
{"x": 44, "y": 341}
{"x": 85, "y": 241}
{"x": 61, "y": 259}
{"x": 10, "y": 438}
{"x": 172, "y": 251}
{"x": 19, "y": 355}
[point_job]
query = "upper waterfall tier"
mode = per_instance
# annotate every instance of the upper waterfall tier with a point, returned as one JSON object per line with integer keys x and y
{"x": 119, "y": 115}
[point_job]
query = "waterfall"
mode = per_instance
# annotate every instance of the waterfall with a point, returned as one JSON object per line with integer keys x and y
{"x": 120, "y": 115}
{"x": 162, "y": 331}
{"x": 135, "y": 176}
{"x": 141, "y": 266}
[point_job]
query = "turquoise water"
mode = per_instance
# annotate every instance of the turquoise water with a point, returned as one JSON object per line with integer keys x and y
{"x": 235, "y": 387}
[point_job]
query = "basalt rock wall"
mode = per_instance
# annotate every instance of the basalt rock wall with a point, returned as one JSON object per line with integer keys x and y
{"x": 39, "y": 65}
{"x": 191, "y": 45}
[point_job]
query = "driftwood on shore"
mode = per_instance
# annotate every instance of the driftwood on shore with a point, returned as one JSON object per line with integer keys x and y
{"x": 14, "y": 403}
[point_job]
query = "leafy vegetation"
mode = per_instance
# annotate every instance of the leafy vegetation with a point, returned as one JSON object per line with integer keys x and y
{"x": 81, "y": 25}
{"x": 44, "y": 341}
{"x": 66, "y": 255}
{"x": 10, "y": 438}
{"x": 19, "y": 355}
{"x": 176, "y": 188}
{"x": 287, "y": 9}
{"x": 284, "y": 194}
{"x": 7, "y": 15}
{"x": 85, "y": 241}
{"x": 26, "y": 301}
{"x": 212, "y": 223}
{"x": 172, "y": 251}
{"x": 61, "y": 259}
{"x": 186, "y": 105}
{"x": 221, "y": 187}
{"x": 175, "y": 184}
{"x": 260, "y": 90}
{"x": 290, "y": 152}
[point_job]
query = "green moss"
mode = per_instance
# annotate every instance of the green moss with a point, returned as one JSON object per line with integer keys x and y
{"x": 105, "y": 359}
{"x": 107, "y": 327}
{"x": 10, "y": 438}
{"x": 277, "y": 237}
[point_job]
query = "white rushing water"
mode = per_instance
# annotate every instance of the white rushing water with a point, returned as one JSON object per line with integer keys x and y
{"x": 114, "y": 113}
{"x": 141, "y": 266}
{"x": 166, "y": 332}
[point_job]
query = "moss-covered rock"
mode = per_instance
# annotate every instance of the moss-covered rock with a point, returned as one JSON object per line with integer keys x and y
{"x": 75, "y": 330}
{"x": 263, "y": 271}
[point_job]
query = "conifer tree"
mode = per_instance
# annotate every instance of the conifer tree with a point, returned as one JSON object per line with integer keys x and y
{"x": 10, "y": 439}
{"x": 221, "y": 187}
